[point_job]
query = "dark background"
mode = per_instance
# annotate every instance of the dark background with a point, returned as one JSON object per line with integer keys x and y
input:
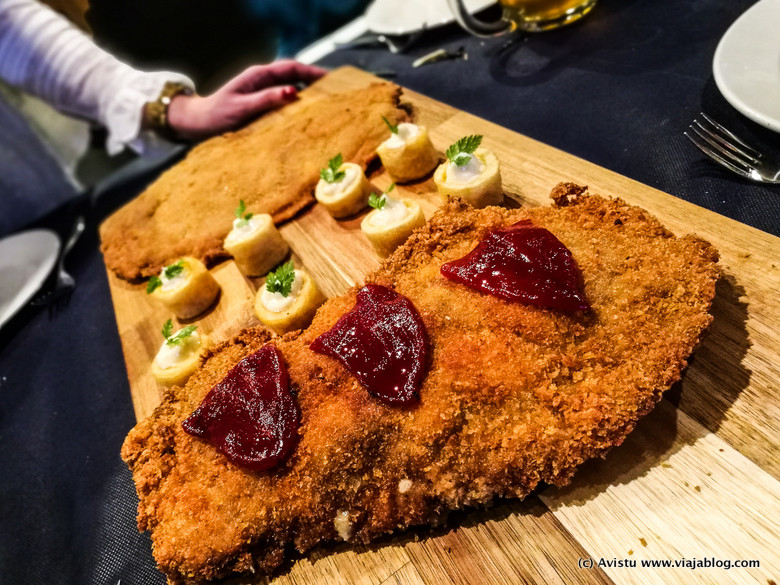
{"x": 209, "y": 41}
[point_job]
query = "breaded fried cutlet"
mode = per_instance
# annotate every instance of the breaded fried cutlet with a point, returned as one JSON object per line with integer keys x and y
{"x": 272, "y": 165}
{"x": 514, "y": 395}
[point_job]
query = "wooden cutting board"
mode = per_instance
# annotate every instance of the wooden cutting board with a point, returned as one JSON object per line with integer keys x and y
{"x": 697, "y": 481}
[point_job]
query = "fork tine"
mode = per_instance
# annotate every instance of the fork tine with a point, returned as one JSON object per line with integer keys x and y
{"x": 722, "y": 150}
{"x": 715, "y": 156}
{"x": 753, "y": 152}
{"x": 724, "y": 142}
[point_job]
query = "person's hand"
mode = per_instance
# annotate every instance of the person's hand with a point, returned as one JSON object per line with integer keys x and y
{"x": 243, "y": 98}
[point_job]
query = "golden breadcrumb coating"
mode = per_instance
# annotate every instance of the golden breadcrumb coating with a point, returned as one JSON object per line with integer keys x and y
{"x": 515, "y": 395}
{"x": 272, "y": 164}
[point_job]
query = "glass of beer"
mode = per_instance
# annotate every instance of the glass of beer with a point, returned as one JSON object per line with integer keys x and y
{"x": 526, "y": 15}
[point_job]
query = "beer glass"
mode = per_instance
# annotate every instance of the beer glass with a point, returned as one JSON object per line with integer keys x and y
{"x": 527, "y": 15}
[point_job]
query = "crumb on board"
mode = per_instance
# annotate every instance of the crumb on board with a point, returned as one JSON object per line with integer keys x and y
{"x": 343, "y": 525}
{"x": 643, "y": 542}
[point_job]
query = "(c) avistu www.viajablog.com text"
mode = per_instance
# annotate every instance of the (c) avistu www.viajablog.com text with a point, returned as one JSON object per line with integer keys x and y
{"x": 681, "y": 563}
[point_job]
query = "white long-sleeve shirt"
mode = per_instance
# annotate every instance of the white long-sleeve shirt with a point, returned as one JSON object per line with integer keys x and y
{"x": 44, "y": 54}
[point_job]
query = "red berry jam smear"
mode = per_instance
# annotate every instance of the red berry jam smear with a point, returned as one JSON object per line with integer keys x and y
{"x": 522, "y": 263}
{"x": 250, "y": 416}
{"x": 382, "y": 341}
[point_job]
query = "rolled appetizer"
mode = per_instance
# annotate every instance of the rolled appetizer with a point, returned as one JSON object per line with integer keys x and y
{"x": 255, "y": 243}
{"x": 391, "y": 221}
{"x": 179, "y": 354}
{"x": 408, "y": 154}
{"x": 470, "y": 173}
{"x": 343, "y": 188}
{"x": 186, "y": 288}
{"x": 288, "y": 300}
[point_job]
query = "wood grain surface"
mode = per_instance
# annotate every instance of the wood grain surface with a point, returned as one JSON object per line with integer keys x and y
{"x": 698, "y": 480}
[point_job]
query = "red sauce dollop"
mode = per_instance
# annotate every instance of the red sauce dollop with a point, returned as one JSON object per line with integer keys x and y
{"x": 382, "y": 341}
{"x": 522, "y": 263}
{"x": 250, "y": 416}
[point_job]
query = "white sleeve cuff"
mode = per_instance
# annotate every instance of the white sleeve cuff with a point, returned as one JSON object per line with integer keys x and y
{"x": 123, "y": 110}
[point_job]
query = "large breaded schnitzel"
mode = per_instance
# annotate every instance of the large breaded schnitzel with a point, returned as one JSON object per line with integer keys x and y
{"x": 272, "y": 165}
{"x": 514, "y": 395}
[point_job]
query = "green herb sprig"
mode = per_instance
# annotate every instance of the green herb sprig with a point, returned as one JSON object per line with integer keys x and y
{"x": 281, "y": 279}
{"x": 179, "y": 336}
{"x": 169, "y": 272}
{"x": 379, "y": 201}
{"x": 332, "y": 174}
{"x": 460, "y": 152}
{"x": 243, "y": 218}
{"x": 393, "y": 129}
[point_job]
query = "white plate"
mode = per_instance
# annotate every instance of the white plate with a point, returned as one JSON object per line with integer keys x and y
{"x": 747, "y": 64}
{"x": 26, "y": 259}
{"x": 400, "y": 17}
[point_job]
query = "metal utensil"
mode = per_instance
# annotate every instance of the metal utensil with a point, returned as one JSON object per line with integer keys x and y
{"x": 395, "y": 43}
{"x": 726, "y": 149}
{"x": 64, "y": 284}
{"x": 440, "y": 55}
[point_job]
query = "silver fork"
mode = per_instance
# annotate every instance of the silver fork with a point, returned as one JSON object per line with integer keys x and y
{"x": 65, "y": 283}
{"x": 725, "y": 148}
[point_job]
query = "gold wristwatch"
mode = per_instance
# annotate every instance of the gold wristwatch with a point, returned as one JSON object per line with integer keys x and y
{"x": 156, "y": 112}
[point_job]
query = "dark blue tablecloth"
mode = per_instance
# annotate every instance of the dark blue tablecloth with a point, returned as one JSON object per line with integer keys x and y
{"x": 617, "y": 89}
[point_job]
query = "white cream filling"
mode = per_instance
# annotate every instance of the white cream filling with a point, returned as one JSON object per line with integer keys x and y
{"x": 392, "y": 212}
{"x": 467, "y": 172}
{"x": 276, "y": 302}
{"x": 244, "y": 229}
{"x": 406, "y": 132}
{"x": 331, "y": 189}
{"x": 173, "y": 283}
{"x": 171, "y": 355}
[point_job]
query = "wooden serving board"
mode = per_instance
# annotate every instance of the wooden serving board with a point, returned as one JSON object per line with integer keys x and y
{"x": 696, "y": 481}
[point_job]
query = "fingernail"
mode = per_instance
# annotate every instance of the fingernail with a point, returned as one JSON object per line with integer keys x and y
{"x": 289, "y": 92}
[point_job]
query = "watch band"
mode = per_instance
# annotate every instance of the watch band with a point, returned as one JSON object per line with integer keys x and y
{"x": 157, "y": 111}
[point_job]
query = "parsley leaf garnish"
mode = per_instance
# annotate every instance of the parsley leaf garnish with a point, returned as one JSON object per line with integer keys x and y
{"x": 169, "y": 272}
{"x": 393, "y": 129}
{"x": 240, "y": 209}
{"x": 379, "y": 201}
{"x": 153, "y": 284}
{"x": 243, "y": 218}
{"x": 459, "y": 153}
{"x": 167, "y": 329}
{"x": 332, "y": 174}
{"x": 173, "y": 269}
{"x": 182, "y": 334}
{"x": 376, "y": 201}
{"x": 281, "y": 279}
